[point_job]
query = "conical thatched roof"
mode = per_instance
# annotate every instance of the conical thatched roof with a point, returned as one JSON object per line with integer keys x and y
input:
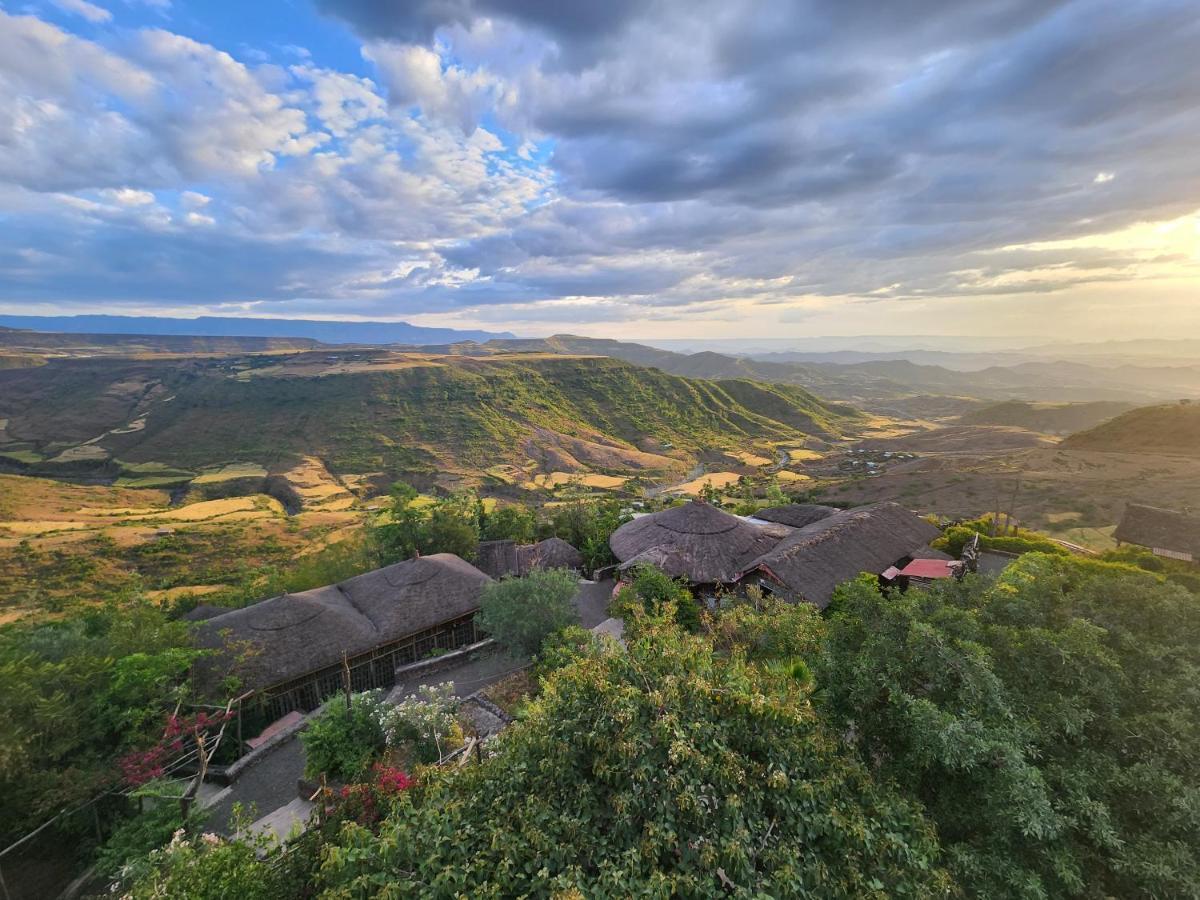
{"x": 294, "y": 634}
{"x": 796, "y": 515}
{"x": 812, "y": 561}
{"x": 498, "y": 558}
{"x": 695, "y": 541}
{"x": 552, "y": 553}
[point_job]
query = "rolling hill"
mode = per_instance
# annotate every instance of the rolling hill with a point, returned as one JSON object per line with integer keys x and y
{"x": 401, "y": 414}
{"x": 1048, "y": 418}
{"x": 1168, "y": 430}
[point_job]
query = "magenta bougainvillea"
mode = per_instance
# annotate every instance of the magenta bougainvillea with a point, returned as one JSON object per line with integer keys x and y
{"x": 178, "y": 739}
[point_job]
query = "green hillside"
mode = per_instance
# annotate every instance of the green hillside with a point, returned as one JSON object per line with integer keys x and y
{"x": 1048, "y": 418}
{"x": 1171, "y": 430}
{"x": 395, "y": 413}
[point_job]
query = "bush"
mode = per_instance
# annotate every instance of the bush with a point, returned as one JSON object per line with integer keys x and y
{"x": 521, "y": 612}
{"x": 126, "y": 852}
{"x": 564, "y": 647}
{"x": 211, "y": 868}
{"x": 954, "y": 537}
{"x": 650, "y": 590}
{"x": 423, "y": 723}
{"x": 343, "y": 742}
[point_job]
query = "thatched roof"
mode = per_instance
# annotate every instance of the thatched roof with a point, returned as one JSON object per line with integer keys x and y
{"x": 1163, "y": 529}
{"x": 498, "y": 558}
{"x": 417, "y": 594}
{"x": 294, "y": 634}
{"x": 796, "y": 515}
{"x": 695, "y": 541}
{"x": 552, "y": 553}
{"x": 812, "y": 561}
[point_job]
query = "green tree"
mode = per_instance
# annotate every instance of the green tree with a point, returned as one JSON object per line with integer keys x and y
{"x": 508, "y": 523}
{"x": 1046, "y": 722}
{"x": 399, "y": 536}
{"x": 587, "y": 526}
{"x": 521, "y": 612}
{"x": 665, "y": 771}
{"x": 74, "y": 695}
{"x": 448, "y": 531}
{"x": 651, "y": 590}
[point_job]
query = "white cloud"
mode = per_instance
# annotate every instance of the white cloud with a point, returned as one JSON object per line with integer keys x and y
{"x": 342, "y": 101}
{"x": 1103, "y": 177}
{"x": 417, "y": 77}
{"x": 128, "y": 196}
{"x": 90, "y": 11}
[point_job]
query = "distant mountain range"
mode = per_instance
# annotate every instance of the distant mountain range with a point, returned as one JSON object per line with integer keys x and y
{"x": 897, "y": 386}
{"x": 229, "y": 326}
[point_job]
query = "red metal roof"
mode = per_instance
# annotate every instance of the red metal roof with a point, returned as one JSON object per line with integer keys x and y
{"x": 929, "y": 568}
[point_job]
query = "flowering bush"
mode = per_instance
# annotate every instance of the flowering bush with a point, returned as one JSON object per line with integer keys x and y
{"x": 423, "y": 722}
{"x": 178, "y": 738}
{"x": 367, "y": 803}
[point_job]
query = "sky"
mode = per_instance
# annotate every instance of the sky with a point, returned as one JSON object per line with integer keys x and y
{"x": 631, "y": 168}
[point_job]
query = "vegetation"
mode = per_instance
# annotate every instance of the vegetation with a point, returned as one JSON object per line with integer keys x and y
{"x": 955, "y": 537}
{"x": 422, "y": 726}
{"x": 587, "y": 526}
{"x": 521, "y": 612}
{"x": 208, "y": 867}
{"x": 651, "y": 591}
{"x": 345, "y": 739}
{"x": 1043, "y": 723}
{"x": 76, "y": 693}
{"x": 669, "y": 770}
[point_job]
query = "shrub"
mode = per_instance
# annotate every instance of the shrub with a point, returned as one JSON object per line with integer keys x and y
{"x": 520, "y": 612}
{"x": 127, "y": 849}
{"x": 954, "y": 537}
{"x": 423, "y": 722}
{"x": 564, "y": 647}
{"x": 210, "y": 868}
{"x": 651, "y": 589}
{"x": 343, "y": 742}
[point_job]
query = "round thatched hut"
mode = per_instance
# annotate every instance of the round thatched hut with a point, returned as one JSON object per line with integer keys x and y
{"x": 552, "y": 553}
{"x": 696, "y": 541}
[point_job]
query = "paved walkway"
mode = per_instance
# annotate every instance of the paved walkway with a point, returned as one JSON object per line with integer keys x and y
{"x": 266, "y": 786}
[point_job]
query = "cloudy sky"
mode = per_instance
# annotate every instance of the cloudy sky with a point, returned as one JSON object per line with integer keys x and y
{"x": 654, "y": 168}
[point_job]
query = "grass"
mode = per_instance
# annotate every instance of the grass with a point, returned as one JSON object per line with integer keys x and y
{"x": 23, "y": 456}
{"x": 229, "y": 472}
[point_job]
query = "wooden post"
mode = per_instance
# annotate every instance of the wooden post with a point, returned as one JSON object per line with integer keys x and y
{"x": 96, "y": 822}
{"x": 346, "y": 678}
{"x": 241, "y": 743}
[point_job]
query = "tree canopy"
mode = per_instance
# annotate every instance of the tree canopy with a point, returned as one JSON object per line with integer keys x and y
{"x": 669, "y": 770}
